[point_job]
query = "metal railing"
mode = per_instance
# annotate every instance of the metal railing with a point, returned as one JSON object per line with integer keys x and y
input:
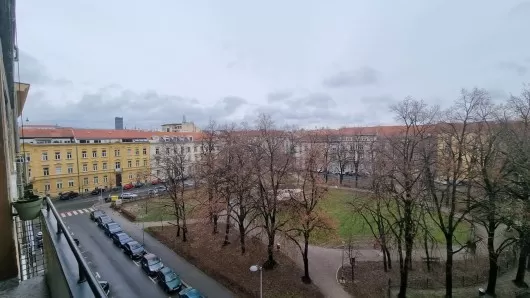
{"x": 85, "y": 274}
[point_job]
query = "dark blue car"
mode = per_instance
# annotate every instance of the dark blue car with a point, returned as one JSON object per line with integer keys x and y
{"x": 169, "y": 280}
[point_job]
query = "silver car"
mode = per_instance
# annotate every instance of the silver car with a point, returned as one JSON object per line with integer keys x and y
{"x": 128, "y": 196}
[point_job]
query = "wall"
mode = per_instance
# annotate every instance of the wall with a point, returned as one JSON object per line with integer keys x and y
{"x": 89, "y": 171}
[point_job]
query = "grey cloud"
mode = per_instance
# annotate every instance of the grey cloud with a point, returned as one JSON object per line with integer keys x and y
{"x": 519, "y": 69}
{"x": 34, "y": 72}
{"x": 360, "y": 77}
{"x": 278, "y": 96}
{"x": 146, "y": 109}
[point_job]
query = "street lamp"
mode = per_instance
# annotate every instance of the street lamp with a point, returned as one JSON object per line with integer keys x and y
{"x": 255, "y": 268}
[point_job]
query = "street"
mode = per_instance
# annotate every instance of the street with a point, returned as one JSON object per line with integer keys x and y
{"x": 109, "y": 263}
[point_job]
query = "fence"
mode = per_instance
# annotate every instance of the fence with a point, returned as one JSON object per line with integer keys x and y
{"x": 31, "y": 251}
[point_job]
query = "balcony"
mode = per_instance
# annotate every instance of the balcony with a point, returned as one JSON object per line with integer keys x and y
{"x": 55, "y": 269}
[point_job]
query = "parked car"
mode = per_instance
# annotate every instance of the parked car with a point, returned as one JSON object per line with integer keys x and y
{"x": 155, "y": 182}
{"x": 105, "y": 286}
{"x": 68, "y": 195}
{"x": 134, "y": 250}
{"x": 102, "y": 220}
{"x": 111, "y": 228}
{"x": 151, "y": 264}
{"x": 168, "y": 280}
{"x": 94, "y": 215}
{"x": 128, "y": 186}
{"x": 120, "y": 239}
{"x": 152, "y": 191}
{"x": 96, "y": 191}
{"x": 128, "y": 195}
{"x": 161, "y": 188}
{"x": 190, "y": 293}
{"x": 139, "y": 184}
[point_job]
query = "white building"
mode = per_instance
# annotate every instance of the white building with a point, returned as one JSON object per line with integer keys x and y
{"x": 186, "y": 147}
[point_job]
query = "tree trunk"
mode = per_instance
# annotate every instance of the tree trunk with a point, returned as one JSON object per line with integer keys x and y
{"x": 306, "y": 278}
{"x": 270, "y": 263}
{"x": 426, "y": 247}
{"x": 494, "y": 267}
{"x": 341, "y": 178}
{"x": 215, "y": 220}
{"x": 449, "y": 265}
{"x": 242, "y": 237}
{"x": 403, "y": 282}
{"x": 227, "y": 231}
{"x": 356, "y": 180}
{"x": 388, "y": 258}
{"x": 523, "y": 255}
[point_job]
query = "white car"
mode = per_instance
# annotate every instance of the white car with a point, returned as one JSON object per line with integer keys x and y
{"x": 128, "y": 195}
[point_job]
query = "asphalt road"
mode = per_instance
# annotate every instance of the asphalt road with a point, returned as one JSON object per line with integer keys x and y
{"x": 89, "y": 201}
{"x": 109, "y": 263}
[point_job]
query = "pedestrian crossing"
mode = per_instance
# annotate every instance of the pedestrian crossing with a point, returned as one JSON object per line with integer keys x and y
{"x": 76, "y": 212}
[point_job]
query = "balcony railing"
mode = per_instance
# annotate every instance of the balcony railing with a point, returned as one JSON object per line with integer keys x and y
{"x": 65, "y": 271}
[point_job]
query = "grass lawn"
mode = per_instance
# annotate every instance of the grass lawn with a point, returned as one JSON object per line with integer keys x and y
{"x": 349, "y": 223}
{"x": 161, "y": 208}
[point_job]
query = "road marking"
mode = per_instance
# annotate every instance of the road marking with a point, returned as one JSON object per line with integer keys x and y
{"x": 137, "y": 264}
{"x": 185, "y": 284}
{"x": 80, "y": 211}
{"x": 74, "y": 212}
{"x": 97, "y": 275}
{"x": 154, "y": 281}
{"x": 85, "y": 210}
{"x": 91, "y": 209}
{"x": 69, "y": 213}
{"x": 63, "y": 215}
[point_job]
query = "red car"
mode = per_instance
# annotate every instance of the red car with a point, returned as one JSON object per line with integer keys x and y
{"x": 155, "y": 182}
{"x": 128, "y": 186}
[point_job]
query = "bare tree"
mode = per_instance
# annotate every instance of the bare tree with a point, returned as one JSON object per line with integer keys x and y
{"x": 305, "y": 216}
{"x": 491, "y": 185}
{"x": 273, "y": 157}
{"x": 207, "y": 170}
{"x": 446, "y": 168}
{"x": 340, "y": 156}
{"x": 403, "y": 185}
{"x": 174, "y": 162}
{"x": 517, "y": 152}
{"x": 357, "y": 154}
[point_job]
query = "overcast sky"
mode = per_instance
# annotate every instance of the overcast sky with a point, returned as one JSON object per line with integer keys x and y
{"x": 309, "y": 63}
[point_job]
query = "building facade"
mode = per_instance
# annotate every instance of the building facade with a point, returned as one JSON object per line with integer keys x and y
{"x": 180, "y": 127}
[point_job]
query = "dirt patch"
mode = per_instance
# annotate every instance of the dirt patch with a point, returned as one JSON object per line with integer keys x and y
{"x": 228, "y": 266}
{"x": 372, "y": 281}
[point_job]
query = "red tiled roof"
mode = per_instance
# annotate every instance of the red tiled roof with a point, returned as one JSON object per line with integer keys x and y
{"x": 46, "y": 132}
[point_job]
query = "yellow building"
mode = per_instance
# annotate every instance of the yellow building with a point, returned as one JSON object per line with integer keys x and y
{"x": 62, "y": 159}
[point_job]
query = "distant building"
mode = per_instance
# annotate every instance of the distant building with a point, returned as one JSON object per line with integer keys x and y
{"x": 118, "y": 123}
{"x": 180, "y": 127}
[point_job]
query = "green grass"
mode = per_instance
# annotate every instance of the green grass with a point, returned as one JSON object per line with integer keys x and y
{"x": 348, "y": 223}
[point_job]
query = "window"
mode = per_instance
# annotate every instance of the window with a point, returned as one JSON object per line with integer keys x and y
{"x": 129, "y": 163}
{"x": 157, "y": 150}
{"x": 137, "y": 162}
{"x": 158, "y": 172}
{"x": 95, "y": 167}
{"x": 70, "y": 183}
{"x": 69, "y": 155}
{"x": 116, "y": 152}
{"x": 46, "y": 171}
{"x": 96, "y": 179}
{"x": 188, "y": 149}
{"x": 44, "y": 156}
{"x": 145, "y": 162}
{"x": 105, "y": 179}
{"x": 195, "y": 149}
{"x": 94, "y": 153}
{"x": 129, "y": 151}
{"x": 117, "y": 165}
{"x": 137, "y": 151}
{"x": 29, "y": 172}
{"x": 83, "y": 154}
{"x": 59, "y": 184}
{"x": 28, "y": 157}
{"x": 130, "y": 176}
{"x": 167, "y": 150}
{"x": 144, "y": 151}
{"x": 58, "y": 170}
{"x": 57, "y": 155}
{"x": 85, "y": 181}
{"x": 47, "y": 187}
{"x": 104, "y": 153}
{"x": 86, "y": 189}
{"x": 85, "y": 167}
{"x": 104, "y": 166}
{"x": 70, "y": 169}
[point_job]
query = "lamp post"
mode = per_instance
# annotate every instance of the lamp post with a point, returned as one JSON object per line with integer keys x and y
{"x": 255, "y": 268}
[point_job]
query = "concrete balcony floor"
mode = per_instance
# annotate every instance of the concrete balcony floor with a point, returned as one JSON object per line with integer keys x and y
{"x": 31, "y": 288}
